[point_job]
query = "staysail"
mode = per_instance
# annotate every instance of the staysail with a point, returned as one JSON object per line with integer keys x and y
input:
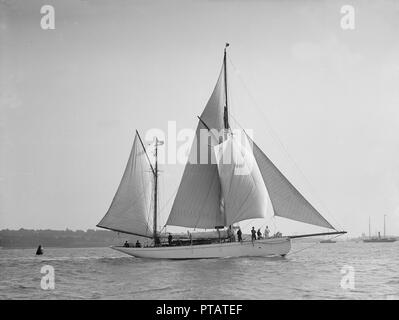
{"x": 243, "y": 190}
{"x": 286, "y": 200}
{"x": 130, "y": 210}
{"x": 197, "y": 202}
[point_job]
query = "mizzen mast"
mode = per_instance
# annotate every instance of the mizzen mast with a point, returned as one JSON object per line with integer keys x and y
{"x": 156, "y": 172}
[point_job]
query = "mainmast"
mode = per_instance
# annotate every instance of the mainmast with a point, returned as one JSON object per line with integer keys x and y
{"x": 155, "y": 220}
{"x": 226, "y": 113}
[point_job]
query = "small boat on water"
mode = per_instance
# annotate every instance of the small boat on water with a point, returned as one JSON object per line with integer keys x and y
{"x": 213, "y": 194}
{"x": 328, "y": 241}
{"x": 371, "y": 239}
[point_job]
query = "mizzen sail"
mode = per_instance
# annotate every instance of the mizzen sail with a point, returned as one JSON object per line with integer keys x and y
{"x": 130, "y": 210}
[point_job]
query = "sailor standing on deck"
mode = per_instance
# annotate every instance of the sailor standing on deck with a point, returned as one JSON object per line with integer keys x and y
{"x": 259, "y": 234}
{"x": 267, "y": 231}
{"x": 253, "y": 232}
{"x": 230, "y": 234}
{"x": 239, "y": 235}
{"x": 170, "y": 239}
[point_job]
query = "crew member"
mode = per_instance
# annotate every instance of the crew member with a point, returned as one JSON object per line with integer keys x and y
{"x": 239, "y": 235}
{"x": 267, "y": 231}
{"x": 230, "y": 234}
{"x": 259, "y": 234}
{"x": 138, "y": 244}
{"x": 253, "y": 232}
{"x": 126, "y": 244}
{"x": 170, "y": 239}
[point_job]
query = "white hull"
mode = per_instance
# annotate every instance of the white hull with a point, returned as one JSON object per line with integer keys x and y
{"x": 258, "y": 248}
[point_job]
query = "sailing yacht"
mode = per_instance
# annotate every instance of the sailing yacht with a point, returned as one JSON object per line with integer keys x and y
{"x": 214, "y": 194}
{"x": 379, "y": 238}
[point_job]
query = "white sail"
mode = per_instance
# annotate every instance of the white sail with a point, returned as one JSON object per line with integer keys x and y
{"x": 243, "y": 190}
{"x": 286, "y": 200}
{"x": 197, "y": 202}
{"x": 130, "y": 210}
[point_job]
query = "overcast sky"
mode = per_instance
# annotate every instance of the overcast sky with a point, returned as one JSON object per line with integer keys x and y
{"x": 323, "y": 102}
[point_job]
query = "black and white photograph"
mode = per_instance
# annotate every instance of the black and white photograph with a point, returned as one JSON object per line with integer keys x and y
{"x": 222, "y": 150}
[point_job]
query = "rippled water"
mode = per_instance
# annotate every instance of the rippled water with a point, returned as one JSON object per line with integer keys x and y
{"x": 102, "y": 273}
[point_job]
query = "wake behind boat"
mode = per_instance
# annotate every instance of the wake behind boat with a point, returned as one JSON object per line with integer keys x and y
{"x": 213, "y": 194}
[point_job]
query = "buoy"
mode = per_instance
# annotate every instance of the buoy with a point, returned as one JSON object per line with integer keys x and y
{"x": 39, "y": 250}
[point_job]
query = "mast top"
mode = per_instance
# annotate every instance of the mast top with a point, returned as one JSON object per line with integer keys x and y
{"x": 226, "y": 111}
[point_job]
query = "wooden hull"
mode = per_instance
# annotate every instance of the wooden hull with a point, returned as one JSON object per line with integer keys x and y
{"x": 258, "y": 248}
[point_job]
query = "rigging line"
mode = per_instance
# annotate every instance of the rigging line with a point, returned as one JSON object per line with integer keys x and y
{"x": 147, "y": 208}
{"x": 311, "y": 246}
{"x": 287, "y": 154}
{"x": 164, "y": 206}
{"x": 149, "y": 213}
{"x": 170, "y": 198}
{"x": 150, "y": 219}
{"x": 145, "y": 151}
{"x": 160, "y": 194}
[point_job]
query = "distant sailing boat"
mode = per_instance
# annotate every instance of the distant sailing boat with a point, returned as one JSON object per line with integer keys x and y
{"x": 379, "y": 238}
{"x": 211, "y": 195}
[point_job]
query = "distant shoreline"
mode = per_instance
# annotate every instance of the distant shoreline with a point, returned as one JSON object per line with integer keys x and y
{"x": 55, "y": 247}
{"x": 30, "y": 239}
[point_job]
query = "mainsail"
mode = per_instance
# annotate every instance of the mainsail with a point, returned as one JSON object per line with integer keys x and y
{"x": 130, "y": 210}
{"x": 197, "y": 202}
{"x": 243, "y": 190}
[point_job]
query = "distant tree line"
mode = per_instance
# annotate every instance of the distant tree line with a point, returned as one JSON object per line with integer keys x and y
{"x": 24, "y": 238}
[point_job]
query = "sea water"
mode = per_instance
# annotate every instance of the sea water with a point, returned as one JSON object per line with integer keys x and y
{"x": 342, "y": 270}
